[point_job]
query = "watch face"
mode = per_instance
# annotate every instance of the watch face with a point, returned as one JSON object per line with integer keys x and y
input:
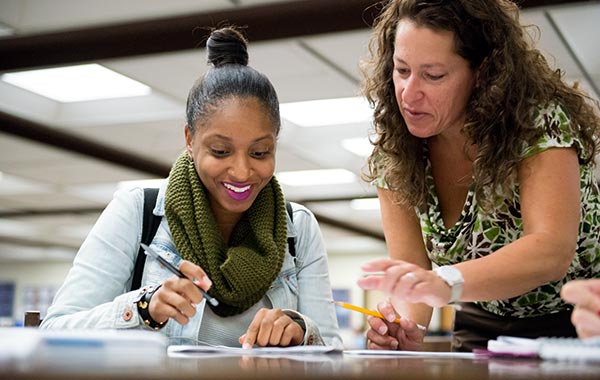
{"x": 450, "y": 274}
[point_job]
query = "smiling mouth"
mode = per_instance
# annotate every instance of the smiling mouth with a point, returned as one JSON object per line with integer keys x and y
{"x": 235, "y": 188}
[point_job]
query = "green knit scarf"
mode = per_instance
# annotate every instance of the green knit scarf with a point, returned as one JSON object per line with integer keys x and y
{"x": 242, "y": 271}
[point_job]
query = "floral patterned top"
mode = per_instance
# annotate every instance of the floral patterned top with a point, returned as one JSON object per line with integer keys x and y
{"x": 477, "y": 234}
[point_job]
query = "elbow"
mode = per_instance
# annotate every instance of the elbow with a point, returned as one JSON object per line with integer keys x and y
{"x": 560, "y": 266}
{"x": 559, "y": 273}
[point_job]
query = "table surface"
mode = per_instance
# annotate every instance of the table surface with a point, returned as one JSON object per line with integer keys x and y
{"x": 323, "y": 366}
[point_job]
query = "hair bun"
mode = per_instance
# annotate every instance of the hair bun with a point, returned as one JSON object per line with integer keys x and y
{"x": 227, "y": 46}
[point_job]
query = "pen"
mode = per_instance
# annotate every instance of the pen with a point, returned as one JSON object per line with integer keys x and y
{"x": 175, "y": 271}
{"x": 370, "y": 312}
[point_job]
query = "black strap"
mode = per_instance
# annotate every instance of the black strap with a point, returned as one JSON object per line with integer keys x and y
{"x": 291, "y": 240}
{"x": 150, "y": 223}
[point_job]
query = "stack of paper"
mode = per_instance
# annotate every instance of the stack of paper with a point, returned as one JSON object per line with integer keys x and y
{"x": 567, "y": 349}
{"x": 570, "y": 349}
{"x": 514, "y": 346}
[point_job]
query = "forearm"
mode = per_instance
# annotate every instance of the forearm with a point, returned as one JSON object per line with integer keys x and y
{"x": 517, "y": 268}
{"x": 118, "y": 314}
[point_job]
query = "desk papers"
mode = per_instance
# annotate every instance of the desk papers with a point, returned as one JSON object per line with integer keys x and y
{"x": 201, "y": 350}
{"x": 422, "y": 354}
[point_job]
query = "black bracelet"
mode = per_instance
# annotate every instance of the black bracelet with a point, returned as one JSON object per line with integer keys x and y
{"x": 143, "y": 306}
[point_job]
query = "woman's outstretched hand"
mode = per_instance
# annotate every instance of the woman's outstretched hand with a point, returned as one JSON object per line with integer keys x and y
{"x": 405, "y": 282}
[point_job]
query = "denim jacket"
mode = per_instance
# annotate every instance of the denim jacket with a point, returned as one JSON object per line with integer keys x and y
{"x": 96, "y": 292}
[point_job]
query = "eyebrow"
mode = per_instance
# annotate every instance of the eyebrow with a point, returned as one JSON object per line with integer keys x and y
{"x": 226, "y": 138}
{"x": 424, "y": 66}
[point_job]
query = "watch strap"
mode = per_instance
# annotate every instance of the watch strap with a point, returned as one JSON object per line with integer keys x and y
{"x": 454, "y": 279}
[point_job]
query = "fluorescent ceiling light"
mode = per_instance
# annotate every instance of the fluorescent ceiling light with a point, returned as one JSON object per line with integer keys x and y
{"x": 318, "y": 113}
{"x": 77, "y": 83}
{"x": 361, "y": 146}
{"x": 365, "y": 204}
{"x": 316, "y": 177}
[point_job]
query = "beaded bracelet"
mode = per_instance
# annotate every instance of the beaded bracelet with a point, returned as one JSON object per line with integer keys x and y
{"x": 143, "y": 308}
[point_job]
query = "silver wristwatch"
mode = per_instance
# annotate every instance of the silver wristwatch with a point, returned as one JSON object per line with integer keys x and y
{"x": 453, "y": 278}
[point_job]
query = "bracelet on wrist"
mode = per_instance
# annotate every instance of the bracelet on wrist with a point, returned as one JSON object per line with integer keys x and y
{"x": 143, "y": 306}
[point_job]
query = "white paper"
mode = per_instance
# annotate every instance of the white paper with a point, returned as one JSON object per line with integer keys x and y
{"x": 425, "y": 354}
{"x": 201, "y": 350}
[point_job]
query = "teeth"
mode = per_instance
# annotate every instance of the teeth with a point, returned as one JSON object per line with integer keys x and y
{"x": 236, "y": 189}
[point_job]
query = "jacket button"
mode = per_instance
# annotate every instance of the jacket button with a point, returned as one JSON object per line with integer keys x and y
{"x": 127, "y": 314}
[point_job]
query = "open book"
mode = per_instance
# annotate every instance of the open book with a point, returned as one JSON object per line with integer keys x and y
{"x": 570, "y": 349}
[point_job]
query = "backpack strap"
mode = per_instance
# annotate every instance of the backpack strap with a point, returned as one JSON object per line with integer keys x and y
{"x": 290, "y": 239}
{"x": 150, "y": 223}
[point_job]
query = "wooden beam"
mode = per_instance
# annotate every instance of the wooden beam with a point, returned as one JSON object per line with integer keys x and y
{"x": 54, "y": 137}
{"x": 264, "y": 22}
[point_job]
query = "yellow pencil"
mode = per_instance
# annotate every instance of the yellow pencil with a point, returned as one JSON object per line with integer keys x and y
{"x": 370, "y": 312}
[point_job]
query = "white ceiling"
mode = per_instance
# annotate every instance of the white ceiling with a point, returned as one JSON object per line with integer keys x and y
{"x": 39, "y": 177}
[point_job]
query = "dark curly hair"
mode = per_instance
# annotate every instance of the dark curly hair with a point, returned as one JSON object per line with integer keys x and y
{"x": 513, "y": 80}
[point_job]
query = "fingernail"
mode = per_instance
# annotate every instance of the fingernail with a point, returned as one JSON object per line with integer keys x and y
{"x": 203, "y": 281}
{"x": 246, "y": 346}
{"x": 395, "y": 345}
{"x": 391, "y": 317}
{"x": 382, "y": 330}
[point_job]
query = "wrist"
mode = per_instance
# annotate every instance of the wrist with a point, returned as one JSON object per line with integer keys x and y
{"x": 298, "y": 318}
{"x": 143, "y": 307}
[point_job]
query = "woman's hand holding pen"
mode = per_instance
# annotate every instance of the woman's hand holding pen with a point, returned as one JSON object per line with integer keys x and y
{"x": 389, "y": 335}
{"x": 177, "y": 297}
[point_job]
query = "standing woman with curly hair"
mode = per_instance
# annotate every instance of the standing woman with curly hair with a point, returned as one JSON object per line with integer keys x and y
{"x": 483, "y": 159}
